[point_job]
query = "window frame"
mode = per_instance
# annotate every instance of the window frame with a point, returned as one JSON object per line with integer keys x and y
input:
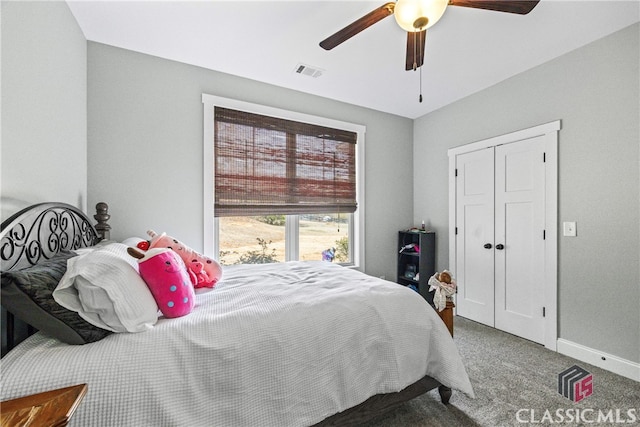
{"x": 211, "y": 224}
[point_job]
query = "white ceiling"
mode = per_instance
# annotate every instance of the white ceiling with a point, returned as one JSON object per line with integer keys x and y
{"x": 466, "y": 51}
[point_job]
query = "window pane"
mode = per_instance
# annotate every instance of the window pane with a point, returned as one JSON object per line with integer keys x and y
{"x": 324, "y": 236}
{"x": 252, "y": 239}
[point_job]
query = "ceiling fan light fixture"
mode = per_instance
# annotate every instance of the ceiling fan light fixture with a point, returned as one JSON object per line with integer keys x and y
{"x": 418, "y": 15}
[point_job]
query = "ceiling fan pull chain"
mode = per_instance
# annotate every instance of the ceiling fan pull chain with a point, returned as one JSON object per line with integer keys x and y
{"x": 415, "y": 51}
{"x": 422, "y": 50}
{"x": 420, "y": 98}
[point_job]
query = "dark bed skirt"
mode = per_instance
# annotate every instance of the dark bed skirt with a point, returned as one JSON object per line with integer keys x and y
{"x": 382, "y": 403}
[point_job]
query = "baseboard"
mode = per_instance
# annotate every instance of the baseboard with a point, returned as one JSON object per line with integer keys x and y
{"x": 600, "y": 359}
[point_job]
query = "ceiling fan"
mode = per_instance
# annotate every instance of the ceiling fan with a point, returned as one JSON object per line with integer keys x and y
{"x": 415, "y": 16}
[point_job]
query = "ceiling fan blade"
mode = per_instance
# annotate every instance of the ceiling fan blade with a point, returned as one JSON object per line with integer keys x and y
{"x": 357, "y": 26}
{"x": 521, "y": 7}
{"x": 415, "y": 49}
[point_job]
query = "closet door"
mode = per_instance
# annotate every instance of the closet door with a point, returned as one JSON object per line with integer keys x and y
{"x": 475, "y": 235}
{"x": 519, "y": 238}
{"x": 503, "y": 204}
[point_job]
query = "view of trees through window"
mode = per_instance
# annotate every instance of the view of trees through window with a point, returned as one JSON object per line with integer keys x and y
{"x": 261, "y": 239}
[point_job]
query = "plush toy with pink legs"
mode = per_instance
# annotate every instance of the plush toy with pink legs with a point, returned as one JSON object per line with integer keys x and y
{"x": 204, "y": 271}
{"x": 166, "y": 276}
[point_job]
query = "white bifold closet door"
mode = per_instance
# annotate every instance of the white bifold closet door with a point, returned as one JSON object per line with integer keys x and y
{"x": 500, "y": 249}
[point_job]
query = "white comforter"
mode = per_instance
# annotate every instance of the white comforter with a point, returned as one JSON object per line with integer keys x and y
{"x": 272, "y": 345}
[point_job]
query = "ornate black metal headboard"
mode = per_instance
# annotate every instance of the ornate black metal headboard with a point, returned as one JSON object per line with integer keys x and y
{"x": 37, "y": 233}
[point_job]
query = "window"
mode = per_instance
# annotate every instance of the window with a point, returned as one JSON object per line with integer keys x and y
{"x": 281, "y": 185}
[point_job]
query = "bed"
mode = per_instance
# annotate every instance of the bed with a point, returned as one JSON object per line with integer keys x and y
{"x": 288, "y": 344}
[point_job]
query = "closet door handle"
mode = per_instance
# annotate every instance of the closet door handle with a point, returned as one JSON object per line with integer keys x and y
{"x": 487, "y": 246}
{"x": 500, "y": 246}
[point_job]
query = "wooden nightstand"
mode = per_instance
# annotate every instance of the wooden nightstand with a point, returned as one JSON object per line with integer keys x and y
{"x": 48, "y": 409}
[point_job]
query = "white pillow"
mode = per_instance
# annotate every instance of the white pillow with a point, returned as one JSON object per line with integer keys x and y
{"x": 132, "y": 241}
{"x": 103, "y": 286}
{"x": 100, "y": 244}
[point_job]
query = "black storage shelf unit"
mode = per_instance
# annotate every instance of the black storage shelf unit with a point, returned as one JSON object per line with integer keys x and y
{"x": 420, "y": 263}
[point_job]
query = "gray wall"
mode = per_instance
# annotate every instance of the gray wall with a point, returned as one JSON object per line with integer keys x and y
{"x": 145, "y": 148}
{"x": 595, "y": 91}
{"x": 44, "y": 104}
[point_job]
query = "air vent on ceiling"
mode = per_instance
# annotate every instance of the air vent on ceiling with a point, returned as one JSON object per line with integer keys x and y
{"x": 307, "y": 70}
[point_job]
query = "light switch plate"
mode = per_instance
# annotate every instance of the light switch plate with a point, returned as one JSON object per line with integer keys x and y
{"x": 569, "y": 229}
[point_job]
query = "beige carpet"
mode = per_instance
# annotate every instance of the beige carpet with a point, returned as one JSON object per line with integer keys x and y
{"x": 516, "y": 384}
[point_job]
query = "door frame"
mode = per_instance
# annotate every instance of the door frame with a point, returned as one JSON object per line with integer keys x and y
{"x": 550, "y": 133}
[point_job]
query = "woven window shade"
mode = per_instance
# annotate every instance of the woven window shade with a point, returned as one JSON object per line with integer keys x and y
{"x": 267, "y": 165}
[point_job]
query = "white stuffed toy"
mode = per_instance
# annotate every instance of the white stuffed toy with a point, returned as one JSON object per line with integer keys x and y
{"x": 444, "y": 286}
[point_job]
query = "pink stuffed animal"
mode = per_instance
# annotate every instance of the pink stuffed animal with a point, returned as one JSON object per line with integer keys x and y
{"x": 166, "y": 276}
{"x": 204, "y": 271}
